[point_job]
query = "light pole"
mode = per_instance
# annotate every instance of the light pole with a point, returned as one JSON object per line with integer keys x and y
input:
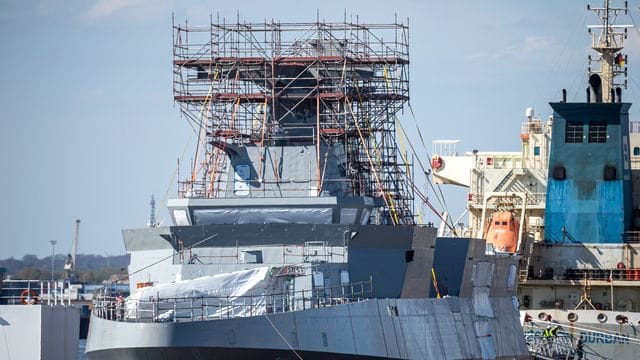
{"x": 53, "y": 254}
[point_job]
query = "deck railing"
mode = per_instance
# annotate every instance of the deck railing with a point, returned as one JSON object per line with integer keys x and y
{"x": 33, "y": 292}
{"x": 200, "y": 308}
{"x": 560, "y": 346}
{"x": 631, "y": 237}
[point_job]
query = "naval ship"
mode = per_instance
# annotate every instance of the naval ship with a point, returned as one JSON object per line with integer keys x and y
{"x": 568, "y": 202}
{"x": 294, "y": 234}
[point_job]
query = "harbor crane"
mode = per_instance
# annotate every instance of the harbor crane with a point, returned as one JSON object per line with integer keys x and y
{"x": 70, "y": 264}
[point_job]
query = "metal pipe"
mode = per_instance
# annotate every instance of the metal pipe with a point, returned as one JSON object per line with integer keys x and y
{"x": 53, "y": 254}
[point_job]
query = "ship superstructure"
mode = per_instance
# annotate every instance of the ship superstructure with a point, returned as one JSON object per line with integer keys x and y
{"x": 294, "y": 234}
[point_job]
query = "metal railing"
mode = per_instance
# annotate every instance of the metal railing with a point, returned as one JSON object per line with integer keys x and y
{"x": 33, "y": 292}
{"x": 533, "y": 199}
{"x": 631, "y": 237}
{"x": 556, "y": 347}
{"x": 201, "y": 308}
{"x": 576, "y": 274}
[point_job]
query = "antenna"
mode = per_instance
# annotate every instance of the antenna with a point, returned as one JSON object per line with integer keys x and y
{"x": 609, "y": 43}
{"x": 152, "y": 212}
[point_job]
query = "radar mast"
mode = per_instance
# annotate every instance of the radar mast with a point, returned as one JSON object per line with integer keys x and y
{"x": 608, "y": 42}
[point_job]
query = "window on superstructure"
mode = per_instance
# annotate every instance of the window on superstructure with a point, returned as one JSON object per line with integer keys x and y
{"x": 597, "y": 132}
{"x": 573, "y": 132}
{"x": 636, "y": 151}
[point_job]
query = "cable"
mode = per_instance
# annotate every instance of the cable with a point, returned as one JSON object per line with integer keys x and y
{"x": 440, "y": 198}
{"x": 282, "y": 337}
{"x": 173, "y": 178}
{"x": 387, "y": 202}
{"x": 424, "y": 198}
{"x": 560, "y": 67}
{"x": 161, "y": 260}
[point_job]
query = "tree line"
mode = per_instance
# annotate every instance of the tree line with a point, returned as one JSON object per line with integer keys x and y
{"x": 89, "y": 268}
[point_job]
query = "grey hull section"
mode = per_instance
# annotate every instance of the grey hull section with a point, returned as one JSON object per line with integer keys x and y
{"x": 446, "y": 328}
{"x": 219, "y": 353}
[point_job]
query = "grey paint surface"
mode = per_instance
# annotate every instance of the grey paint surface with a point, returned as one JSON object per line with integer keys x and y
{"x": 39, "y": 332}
{"x": 449, "y": 259}
{"x": 423, "y": 328}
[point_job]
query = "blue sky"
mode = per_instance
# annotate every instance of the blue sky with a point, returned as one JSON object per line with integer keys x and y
{"x": 88, "y": 128}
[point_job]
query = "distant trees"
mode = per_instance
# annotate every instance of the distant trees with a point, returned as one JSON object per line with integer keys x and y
{"x": 32, "y": 273}
{"x": 90, "y": 268}
{"x": 30, "y": 260}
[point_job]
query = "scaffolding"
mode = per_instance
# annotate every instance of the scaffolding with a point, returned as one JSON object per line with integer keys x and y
{"x": 273, "y": 83}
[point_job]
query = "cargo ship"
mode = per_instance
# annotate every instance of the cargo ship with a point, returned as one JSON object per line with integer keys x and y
{"x": 568, "y": 202}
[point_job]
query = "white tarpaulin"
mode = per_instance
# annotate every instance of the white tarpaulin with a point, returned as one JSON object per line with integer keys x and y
{"x": 240, "y": 293}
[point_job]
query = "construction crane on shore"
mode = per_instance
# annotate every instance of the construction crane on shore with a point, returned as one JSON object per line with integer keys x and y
{"x": 70, "y": 264}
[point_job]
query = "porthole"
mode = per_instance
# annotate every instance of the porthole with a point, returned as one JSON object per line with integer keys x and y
{"x": 542, "y": 316}
{"x": 602, "y": 318}
{"x": 572, "y": 317}
{"x": 621, "y": 319}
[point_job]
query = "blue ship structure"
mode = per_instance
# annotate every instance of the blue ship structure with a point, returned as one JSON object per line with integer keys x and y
{"x": 589, "y": 196}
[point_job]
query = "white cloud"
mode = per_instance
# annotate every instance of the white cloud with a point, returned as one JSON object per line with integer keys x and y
{"x": 104, "y": 8}
{"x": 529, "y": 46}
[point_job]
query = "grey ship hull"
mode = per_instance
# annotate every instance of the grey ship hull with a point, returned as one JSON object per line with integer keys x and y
{"x": 422, "y": 329}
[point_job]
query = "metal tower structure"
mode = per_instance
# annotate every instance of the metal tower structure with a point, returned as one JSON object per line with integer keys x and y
{"x": 70, "y": 263}
{"x": 321, "y": 85}
{"x": 608, "y": 43}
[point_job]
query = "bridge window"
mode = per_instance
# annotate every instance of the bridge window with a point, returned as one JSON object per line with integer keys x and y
{"x": 573, "y": 132}
{"x": 597, "y": 132}
{"x": 636, "y": 151}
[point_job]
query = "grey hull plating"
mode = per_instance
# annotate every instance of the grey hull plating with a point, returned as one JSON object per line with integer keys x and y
{"x": 422, "y": 329}
{"x": 218, "y": 353}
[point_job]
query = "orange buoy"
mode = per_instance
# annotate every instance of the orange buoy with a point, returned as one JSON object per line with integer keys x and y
{"x": 28, "y": 297}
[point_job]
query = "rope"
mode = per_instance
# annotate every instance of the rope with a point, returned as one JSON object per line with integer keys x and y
{"x": 262, "y": 130}
{"x": 207, "y": 99}
{"x": 401, "y": 138}
{"x": 404, "y": 158}
{"x": 635, "y": 25}
{"x": 217, "y": 158}
{"x": 282, "y": 337}
{"x": 423, "y": 197}
{"x": 388, "y": 202}
{"x": 373, "y": 168}
{"x": 173, "y": 178}
{"x": 422, "y": 167}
